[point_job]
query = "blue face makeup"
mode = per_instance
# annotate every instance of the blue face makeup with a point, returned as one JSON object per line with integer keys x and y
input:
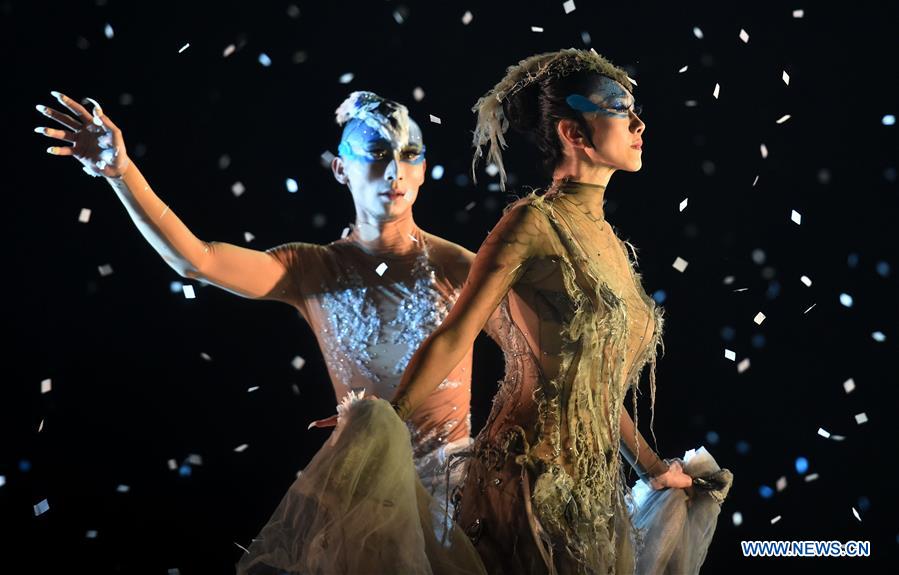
{"x": 607, "y": 98}
{"x": 364, "y": 143}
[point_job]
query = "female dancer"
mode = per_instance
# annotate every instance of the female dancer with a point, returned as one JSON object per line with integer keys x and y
{"x": 545, "y": 491}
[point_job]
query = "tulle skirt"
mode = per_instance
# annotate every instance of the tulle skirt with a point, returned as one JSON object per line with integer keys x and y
{"x": 360, "y": 507}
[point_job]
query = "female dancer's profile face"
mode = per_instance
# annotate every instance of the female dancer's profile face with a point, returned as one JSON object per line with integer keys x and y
{"x": 611, "y": 111}
{"x": 383, "y": 174}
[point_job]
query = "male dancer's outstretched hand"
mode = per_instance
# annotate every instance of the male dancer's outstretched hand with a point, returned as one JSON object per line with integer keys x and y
{"x": 96, "y": 142}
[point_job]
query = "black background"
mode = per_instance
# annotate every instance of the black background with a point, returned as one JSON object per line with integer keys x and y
{"x": 131, "y": 391}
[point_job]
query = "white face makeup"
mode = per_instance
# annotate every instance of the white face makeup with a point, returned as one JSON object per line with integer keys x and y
{"x": 382, "y": 157}
{"x": 612, "y": 113}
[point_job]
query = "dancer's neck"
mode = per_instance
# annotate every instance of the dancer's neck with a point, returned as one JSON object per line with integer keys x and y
{"x": 397, "y": 237}
{"x": 594, "y": 179}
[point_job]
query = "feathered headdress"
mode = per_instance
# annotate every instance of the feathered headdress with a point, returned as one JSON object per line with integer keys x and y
{"x": 492, "y": 122}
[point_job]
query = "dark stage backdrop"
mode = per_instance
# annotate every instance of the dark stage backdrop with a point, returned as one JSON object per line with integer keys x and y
{"x": 155, "y": 458}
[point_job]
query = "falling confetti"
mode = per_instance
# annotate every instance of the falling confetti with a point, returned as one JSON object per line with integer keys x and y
{"x": 823, "y": 433}
{"x": 467, "y": 18}
{"x": 206, "y": 356}
{"x": 849, "y": 385}
{"x": 585, "y": 38}
{"x": 434, "y": 119}
{"x": 183, "y": 48}
{"x": 382, "y": 267}
{"x": 861, "y": 418}
{"x": 252, "y": 389}
{"x": 108, "y": 32}
{"x": 536, "y": 29}
{"x": 298, "y": 363}
{"x": 680, "y": 264}
{"x": 810, "y": 308}
{"x": 737, "y": 518}
{"x": 697, "y": 32}
{"x": 345, "y": 233}
{"x": 469, "y": 206}
{"x": 682, "y": 70}
{"x": 189, "y": 292}
{"x": 759, "y": 318}
{"x": 492, "y": 169}
{"x": 241, "y": 448}
{"x": 717, "y": 91}
{"x": 811, "y": 477}
{"x": 744, "y": 36}
{"x": 683, "y": 204}
{"x": 292, "y": 185}
{"x": 346, "y": 78}
{"x": 755, "y": 181}
{"x": 40, "y": 426}
{"x": 229, "y": 49}
{"x": 121, "y": 488}
{"x": 265, "y": 60}
{"x": 879, "y": 336}
{"x": 786, "y": 78}
{"x": 798, "y": 13}
{"x": 854, "y": 512}
{"x": 783, "y": 118}
{"x": 731, "y": 355}
{"x": 418, "y": 94}
{"x": 2, "y": 480}
{"x": 84, "y": 216}
{"x": 46, "y": 385}
{"x": 846, "y": 300}
{"x": 781, "y": 484}
{"x": 806, "y": 280}
{"x": 248, "y": 237}
{"x": 568, "y": 6}
{"x": 775, "y": 520}
{"x": 237, "y": 188}
{"x": 105, "y": 270}
{"x": 437, "y": 172}
{"x": 42, "y": 507}
{"x": 888, "y": 120}
{"x": 764, "y": 150}
{"x": 172, "y": 464}
{"x": 743, "y": 365}
{"x": 91, "y": 534}
{"x": 796, "y": 217}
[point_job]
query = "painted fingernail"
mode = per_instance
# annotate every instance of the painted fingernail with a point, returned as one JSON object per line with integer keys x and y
{"x": 40, "y": 130}
{"x": 55, "y": 94}
{"x": 97, "y": 120}
{"x": 51, "y": 150}
{"x": 40, "y": 108}
{"x": 310, "y": 426}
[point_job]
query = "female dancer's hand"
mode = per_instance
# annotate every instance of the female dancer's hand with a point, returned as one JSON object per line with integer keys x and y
{"x": 674, "y": 477}
{"x": 96, "y": 142}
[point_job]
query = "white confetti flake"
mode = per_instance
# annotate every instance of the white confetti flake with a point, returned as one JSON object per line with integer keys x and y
{"x": 809, "y": 309}
{"x": 241, "y": 448}
{"x": 42, "y": 507}
{"x": 467, "y": 17}
{"x": 781, "y": 484}
{"x": 775, "y": 520}
{"x": 861, "y": 418}
{"x": 183, "y": 48}
{"x": 740, "y": 289}
{"x": 292, "y": 185}
{"x": 536, "y": 29}
{"x": 783, "y": 118}
{"x": 823, "y": 433}
{"x": 105, "y": 270}
{"x": 683, "y": 204}
{"x": 728, "y": 280}
{"x": 585, "y": 38}
{"x": 492, "y": 169}
{"x": 418, "y": 93}
{"x": 737, "y": 518}
{"x": 836, "y": 437}
{"x": 229, "y": 49}
{"x": 717, "y": 90}
{"x": 798, "y": 13}
{"x": 811, "y": 477}
{"x": 568, "y": 6}
{"x": 91, "y": 534}
{"x": 796, "y": 217}
{"x": 437, "y": 172}
{"x": 245, "y": 550}
{"x": 252, "y": 389}
{"x": 755, "y": 181}
{"x": 248, "y": 237}
{"x": 40, "y": 426}
{"x": 108, "y": 31}
{"x": 345, "y": 233}
{"x": 682, "y": 70}
{"x": 469, "y": 206}
{"x": 849, "y": 385}
{"x": 697, "y": 32}
{"x": 265, "y": 60}
{"x": 122, "y": 488}
{"x": 631, "y": 80}
{"x": 759, "y": 318}
{"x": 205, "y": 356}
{"x": 298, "y": 363}
{"x": 731, "y": 355}
{"x": 743, "y": 365}
{"x": 879, "y": 336}
{"x": 346, "y": 78}
{"x": 46, "y": 385}
{"x": 189, "y": 292}
{"x": 84, "y": 216}
{"x": 854, "y": 512}
{"x": 888, "y": 120}
{"x": 295, "y": 388}
{"x": 172, "y": 464}
{"x": 806, "y": 280}
{"x": 237, "y": 188}
{"x": 195, "y": 459}
{"x": 434, "y": 119}
{"x": 785, "y": 77}
{"x": 680, "y": 264}
{"x": 764, "y": 151}
{"x": 744, "y": 36}
{"x": 691, "y": 103}
{"x": 846, "y": 300}
{"x": 382, "y": 267}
